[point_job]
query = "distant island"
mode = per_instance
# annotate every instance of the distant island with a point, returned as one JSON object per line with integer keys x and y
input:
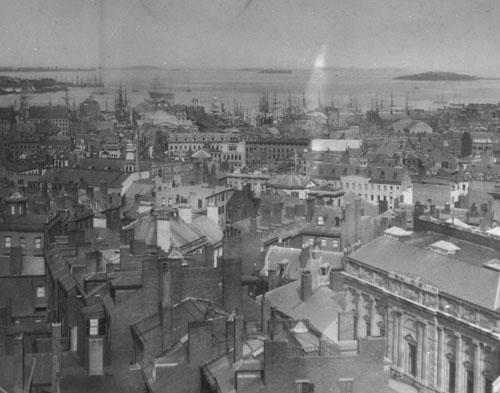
{"x": 275, "y": 71}
{"x": 45, "y": 69}
{"x": 143, "y": 67}
{"x": 438, "y": 76}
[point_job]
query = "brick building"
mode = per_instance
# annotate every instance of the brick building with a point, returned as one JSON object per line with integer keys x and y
{"x": 389, "y": 184}
{"x": 57, "y": 115}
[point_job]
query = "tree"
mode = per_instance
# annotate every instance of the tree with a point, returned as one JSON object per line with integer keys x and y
{"x": 466, "y": 144}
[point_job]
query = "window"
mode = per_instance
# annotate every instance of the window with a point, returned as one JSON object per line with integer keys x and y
{"x": 321, "y": 220}
{"x": 7, "y": 242}
{"x": 22, "y": 242}
{"x": 96, "y": 327}
{"x": 304, "y": 386}
{"x": 38, "y": 243}
{"x": 335, "y": 244}
{"x": 93, "y": 327}
{"x": 323, "y": 243}
{"x": 200, "y": 203}
{"x": 163, "y": 201}
{"x": 311, "y": 241}
{"x": 12, "y": 210}
{"x": 412, "y": 359}
{"x": 40, "y": 292}
{"x": 346, "y": 385}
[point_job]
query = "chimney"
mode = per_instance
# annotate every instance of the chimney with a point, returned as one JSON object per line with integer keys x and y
{"x": 231, "y": 269}
{"x": 272, "y": 279}
{"x": 305, "y": 254}
{"x": 185, "y": 213}
{"x": 126, "y": 236}
{"x": 16, "y": 261}
{"x": 18, "y": 364}
{"x": 93, "y": 261}
{"x": 138, "y": 247}
{"x": 305, "y": 285}
{"x": 310, "y": 209}
{"x": 239, "y": 337}
{"x": 89, "y": 191}
{"x": 265, "y": 313}
{"x": 56, "y": 339}
{"x": 104, "y": 187}
{"x": 336, "y": 280}
{"x": 166, "y": 306}
{"x": 163, "y": 231}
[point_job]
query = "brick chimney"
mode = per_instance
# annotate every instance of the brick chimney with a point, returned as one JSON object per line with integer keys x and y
{"x": 56, "y": 338}
{"x": 231, "y": 269}
{"x": 265, "y": 314}
{"x": 239, "y": 337}
{"x": 305, "y": 285}
{"x": 16, "y": 261}
{"x": 305, "y": 254}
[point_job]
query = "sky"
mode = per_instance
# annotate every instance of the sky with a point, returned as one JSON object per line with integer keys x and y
{"x": 425, "y": 35}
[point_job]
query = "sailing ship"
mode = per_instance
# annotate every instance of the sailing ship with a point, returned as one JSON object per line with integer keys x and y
{"x": 159, "y": 96}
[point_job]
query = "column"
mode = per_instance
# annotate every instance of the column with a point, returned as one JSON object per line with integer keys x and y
{"x": 400, "y": 340}
{"x": 394, "y": 354}
{"x": 440, "y": 377}
{"x": 423, "y": 374}
{"x": 373, "y": 320}
{"x": 386, "y": 329}
{"x": 459, "y": 377}
{"x": 361, "y": 321}
{"x": 418, "y": 366}
{"x": 478, "y": 376}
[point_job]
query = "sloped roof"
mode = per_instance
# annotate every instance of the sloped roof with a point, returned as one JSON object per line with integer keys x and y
{"x": 321, "y": 309}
